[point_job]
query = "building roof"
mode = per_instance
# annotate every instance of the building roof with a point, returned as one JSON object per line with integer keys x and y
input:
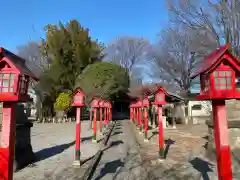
{"x": 211, "y": 60}
{"x": 18, "y": 62}
{"x": 150, "y": 90}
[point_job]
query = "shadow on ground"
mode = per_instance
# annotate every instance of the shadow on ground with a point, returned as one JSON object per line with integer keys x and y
{"x": 154, "y": 133}
{"x": 168, "y": 143}
{"x": 113, "y": 143}
{"x": 110, "y": 167}
{"x": 52, "y": 151}
{"x": 86, "y": 138}
{"x": 202, "y": 166}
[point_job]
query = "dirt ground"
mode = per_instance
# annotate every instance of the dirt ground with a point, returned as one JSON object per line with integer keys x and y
{"x": 184, "y": 153}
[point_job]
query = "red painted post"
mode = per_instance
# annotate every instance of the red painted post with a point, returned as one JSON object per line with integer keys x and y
{"x": 130, "y": 113}
{"x": 8, "y": 139}
{"x": 105, "y": 116}
{"x": 100, "y": 123}
{"x": 223, "y": 153}
{"x": 95, "y": 125}
{"x": 108, "y": 115}
{"x": 78, "y": 102}
{"x": 78, "y": 137}
{"x": 160, "y": 133}
{"x": 145, "y": 124}
{"x": 140, "y": 120}
{"x": 134, "y": 115}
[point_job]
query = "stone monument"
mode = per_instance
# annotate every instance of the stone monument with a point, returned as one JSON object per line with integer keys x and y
{"x": 23, "y": 149}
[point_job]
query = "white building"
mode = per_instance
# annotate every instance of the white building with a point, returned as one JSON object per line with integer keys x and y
{"x": 199, "y": 111}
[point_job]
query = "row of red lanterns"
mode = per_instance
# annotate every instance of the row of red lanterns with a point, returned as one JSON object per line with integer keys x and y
{"x": 104, "y": 106}
{"x": 139, "y": 109}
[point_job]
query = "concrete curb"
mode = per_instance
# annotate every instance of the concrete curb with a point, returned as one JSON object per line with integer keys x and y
{"x": 92, "y": 167}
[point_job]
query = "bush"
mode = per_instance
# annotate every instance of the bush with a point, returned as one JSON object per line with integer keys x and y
{"x": 104, "y": 80}
{"x": 63, "y": 101}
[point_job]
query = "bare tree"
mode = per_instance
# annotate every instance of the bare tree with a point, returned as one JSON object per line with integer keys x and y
{"x": 34, "y": 59}
{"x": 176, "y": 55}
{"x": 37, "y": 64}
{"x": 126, "y": 51}
{"x": 229, "y": 18}
{"x": 219, "y": 20}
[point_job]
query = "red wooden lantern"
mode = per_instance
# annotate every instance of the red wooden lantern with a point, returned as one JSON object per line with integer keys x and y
{"x": 14, "y": 81}
{"x": 95, "y": 103}
{"x": 145, "y": 102}
{"x": 139, "y": 104}
{"x": 160, "y": 97}
{"x": 14, "y": 77}
{"x": 101, "y": 103}
{"x": 104, "y": 104}
{"x": 219, "y": 76}
{"x": 78, "y": 98}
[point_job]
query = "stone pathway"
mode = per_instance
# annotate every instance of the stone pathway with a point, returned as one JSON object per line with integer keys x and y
{"x": 121, "y": 160}
{"x": 53, "y": 145}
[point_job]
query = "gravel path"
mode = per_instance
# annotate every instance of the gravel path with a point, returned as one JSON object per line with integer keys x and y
{"x": 53, "y": 145}
{"x": 121, "y": 160}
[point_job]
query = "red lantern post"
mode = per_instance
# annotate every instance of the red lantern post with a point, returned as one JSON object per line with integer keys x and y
{"x": 219, "y": 77}
{"x": 14, "y": 81}
{"x": 140, "y": 115}
{"x": 105, "y": 113}
{"x": 110, "y": 111}
{"x": 95, "y": 106}
{"x": 131, "y": 112}
{"x": 159, "y": 101}
{"x": 78, "y": 102}
{"x": 136, "y": 114}
{"x": 145, "y": 104}
{"x": 101, "y": 106}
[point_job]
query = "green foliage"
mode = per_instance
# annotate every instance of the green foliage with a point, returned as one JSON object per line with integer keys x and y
{"x": 104, "y": 80}
{"x": 71, "y": 49}
{"x": 63, "y": 101}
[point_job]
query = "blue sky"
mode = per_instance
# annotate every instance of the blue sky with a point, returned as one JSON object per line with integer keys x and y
{"x": 24, "y": 20}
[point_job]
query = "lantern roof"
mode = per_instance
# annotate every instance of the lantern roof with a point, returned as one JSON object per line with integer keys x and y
{"x": 78, "y": 90}
{"x": 212, "y": 60}
{"x": 17, "y": 61}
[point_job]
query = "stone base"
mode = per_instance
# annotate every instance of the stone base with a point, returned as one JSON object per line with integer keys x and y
{"x": 76, "y": 164}
{"x": 94, "y": 141}
{"x": 146, "y": 140}
{"x": 23, "y": 149}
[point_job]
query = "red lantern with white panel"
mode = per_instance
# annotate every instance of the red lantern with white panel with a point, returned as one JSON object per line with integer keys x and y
{"x": 95, "y": 103}
{"x": 145, "y": 102}
{"x": 220, "y": 80}
{"x": 101, "y": 103}
{"x": 78, "y": 98}
{"x": 14, "y": 82}
{"x": 14, "y": 77}
{"x": 160, "y": 97}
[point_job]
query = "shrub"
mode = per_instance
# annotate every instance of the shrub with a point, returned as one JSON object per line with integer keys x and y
{"x": 63, "y": 101}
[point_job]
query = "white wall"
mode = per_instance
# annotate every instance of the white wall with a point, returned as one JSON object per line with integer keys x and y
{"x": 205, "y": 110}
